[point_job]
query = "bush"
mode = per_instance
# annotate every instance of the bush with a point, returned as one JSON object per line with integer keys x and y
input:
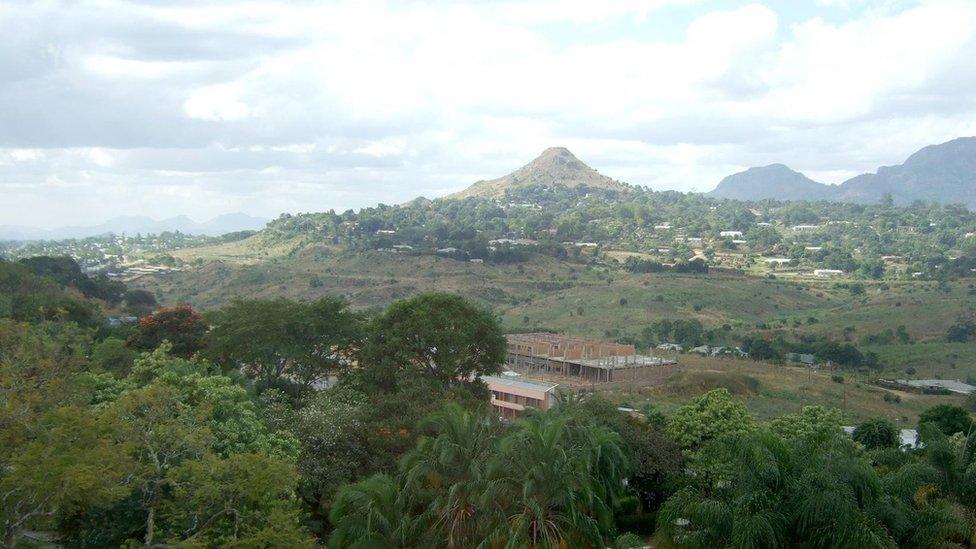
{"x": 876, "y": 433}
{"x": 837, "y": 378}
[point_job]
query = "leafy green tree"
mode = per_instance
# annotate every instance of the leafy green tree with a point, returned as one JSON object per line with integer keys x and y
{"x": 877, "y": 433}
{"x": 439, "y": 335}
{"x": 113, "y": 356}
{"x": 948, "y": 418}
{"x": 246, "y": 499}
{"x": 811, "y": 422}
{"x": 73, "y": 460}
{"x": 712, "y": 415}
{"x": 278, "y": 338}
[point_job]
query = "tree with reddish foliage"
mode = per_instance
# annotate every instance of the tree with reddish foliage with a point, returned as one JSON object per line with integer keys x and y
{"x": 180, "y": 325}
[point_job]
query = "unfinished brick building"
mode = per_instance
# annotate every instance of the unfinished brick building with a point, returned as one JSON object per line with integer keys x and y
{"x": 583, "y": 359}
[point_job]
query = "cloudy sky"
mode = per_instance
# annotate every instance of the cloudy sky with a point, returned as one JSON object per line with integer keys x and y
{"x": 168, "y": 107}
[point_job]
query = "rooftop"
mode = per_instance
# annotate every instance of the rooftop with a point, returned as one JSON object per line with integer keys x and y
{"x": 521, "y": 383}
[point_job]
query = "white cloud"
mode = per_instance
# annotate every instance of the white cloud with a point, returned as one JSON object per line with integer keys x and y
{"x": 218, "y": 102}
{"x": 295, "y": 106}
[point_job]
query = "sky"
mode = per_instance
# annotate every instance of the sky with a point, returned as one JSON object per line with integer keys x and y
{"x": 172, "y": 107}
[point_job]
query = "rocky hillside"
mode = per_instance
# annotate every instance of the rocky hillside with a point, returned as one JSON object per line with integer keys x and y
{"x": 556, "y": 166}
{"x": 943, "y": 173}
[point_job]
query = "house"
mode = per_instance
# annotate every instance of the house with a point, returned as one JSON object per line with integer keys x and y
{"x": 663, "y": 227}
{"x": 385, "y": 231}
{"x": 777, "y": 260}
{"x": 403, "y": 247}
{"x": 476, "y": 260}
{"x": 447, "y": 250}
{"x": 670, "y": 347}
{"x": 730, "y": 233}
{"x": 801, "y": 228}
{"x": 827, "y": 273}
{"x": 511, "y": 396}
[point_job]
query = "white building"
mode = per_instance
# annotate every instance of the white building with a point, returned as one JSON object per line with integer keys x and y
{"x": 827, "y": 273}
{"x": 730, "y": 233}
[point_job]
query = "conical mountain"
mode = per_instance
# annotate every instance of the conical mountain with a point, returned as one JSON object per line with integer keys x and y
{"x": 556, "y": 166}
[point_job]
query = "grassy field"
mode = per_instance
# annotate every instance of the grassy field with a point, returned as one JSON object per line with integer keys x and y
{"x": 769, "y": 391}
{"x": 545, "y": 293}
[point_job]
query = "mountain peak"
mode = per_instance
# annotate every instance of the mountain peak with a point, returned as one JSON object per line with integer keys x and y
{"x": 556, "y": 166}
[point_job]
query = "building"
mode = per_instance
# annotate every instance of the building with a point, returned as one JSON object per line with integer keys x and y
{"x": 936, "y": 385}
{"x": 777, "y": 260}
{"x": 511, "y": 396}
{"x": 730, "y": 233}
{"x": 576, "y": 360}
{"x": 827, "y": 273}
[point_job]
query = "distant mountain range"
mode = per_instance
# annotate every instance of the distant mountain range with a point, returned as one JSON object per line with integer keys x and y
{"x": 943, "y": 173}
{"x": 132, "y": 224}
{"x": 556, "y": 166}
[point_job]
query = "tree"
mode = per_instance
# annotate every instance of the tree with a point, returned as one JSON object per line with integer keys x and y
{"x": 140, "y": 300}
{"x": 183, "y": 327}
{"x": 442, "y": 336}
{"x": 74, "y": 460}
{"x": 276, "y": 338}
{"x": 113, "y": 356}
{"x": 877, "y": 433}
{"x": 246, "y": 499}
{"x": 445, "y": 472}
{"x": 948, "y": 418}
{"x": 812, "y": 422}
{"x": 555, "y": 483}
{"x": 712, "y": 415}
{"x": 759, "y": 490}
{"x": 372, "y": 513}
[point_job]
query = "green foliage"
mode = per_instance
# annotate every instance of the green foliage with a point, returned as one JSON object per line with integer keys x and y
{"x": 712, "y": 415}
{"x": 28, "y": 297}
{"x": 278, "y": 339}
{"x": 810, "y": 423}
{"x": 550, "y": 481}
{"x": 877, "y": 433}
{"x": 442, "y": 336}
{"x": 948, "y": 418}
{"x": 113, "y": 356}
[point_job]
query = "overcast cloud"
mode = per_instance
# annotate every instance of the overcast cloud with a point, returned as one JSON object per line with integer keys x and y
{"x": 163, "y": 108}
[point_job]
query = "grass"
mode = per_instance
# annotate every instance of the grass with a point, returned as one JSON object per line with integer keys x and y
{"x": 769, "y": 391}
{"x": 545, "y": 293}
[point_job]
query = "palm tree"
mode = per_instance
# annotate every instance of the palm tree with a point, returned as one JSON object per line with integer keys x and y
{"x": 371, "y": 514}
{"x": 445, "y": 474}
{"x": 545, "y": 488}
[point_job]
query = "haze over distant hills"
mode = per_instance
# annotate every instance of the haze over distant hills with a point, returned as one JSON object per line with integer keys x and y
{"x": 944, "y": 173}
{"x": 132, "y": 224}
{"x": 556, "y": 166}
